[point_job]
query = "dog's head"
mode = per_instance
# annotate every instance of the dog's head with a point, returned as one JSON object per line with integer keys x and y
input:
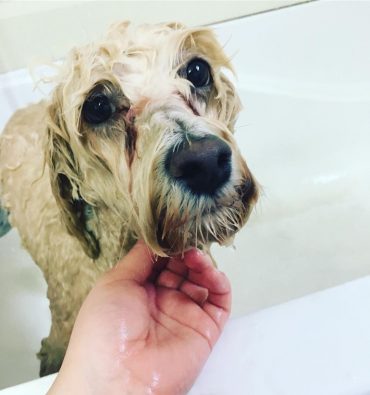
{"x": 142, "y": 123}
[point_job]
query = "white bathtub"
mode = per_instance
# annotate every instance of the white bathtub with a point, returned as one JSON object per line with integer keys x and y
{"x": 304, "y": 78}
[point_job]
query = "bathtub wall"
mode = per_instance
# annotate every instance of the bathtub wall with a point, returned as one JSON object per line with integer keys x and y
{"x": 304, "y": 78}
{"x": 39, "y": 31}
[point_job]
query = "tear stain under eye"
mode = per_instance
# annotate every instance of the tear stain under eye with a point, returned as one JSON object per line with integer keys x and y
{"x": 131, "y": 137}
{"x": 189, "y": 104}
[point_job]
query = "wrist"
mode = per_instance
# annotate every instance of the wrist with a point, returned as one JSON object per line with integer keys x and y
{"x": 78, "y": 383}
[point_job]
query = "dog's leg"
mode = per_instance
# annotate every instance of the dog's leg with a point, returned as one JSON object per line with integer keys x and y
{"x": 51, "y": 356}
{"x": 66, "y": 298}
{"x": 4, "y": 223}
{"x": 53, "y": 347}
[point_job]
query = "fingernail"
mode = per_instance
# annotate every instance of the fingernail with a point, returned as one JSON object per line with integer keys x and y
{"x": 201, "y": 252}
{"x": 195, "y": 251}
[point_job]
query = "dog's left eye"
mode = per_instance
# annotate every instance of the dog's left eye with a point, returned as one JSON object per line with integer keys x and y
{"x": 97, "y": 109}
{"x": 198, "y": 73}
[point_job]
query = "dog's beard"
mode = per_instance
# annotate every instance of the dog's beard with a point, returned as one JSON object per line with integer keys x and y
{"x": 185, "y": 220}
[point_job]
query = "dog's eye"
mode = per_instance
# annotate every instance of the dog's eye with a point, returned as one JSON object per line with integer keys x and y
{"x": 198, "y": 73}
{"x": 97, "y": 109}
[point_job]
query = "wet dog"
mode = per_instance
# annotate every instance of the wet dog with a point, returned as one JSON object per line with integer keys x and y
{"x": 136, "y": 141}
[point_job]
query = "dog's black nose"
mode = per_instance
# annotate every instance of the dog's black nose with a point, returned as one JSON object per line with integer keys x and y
{"x": 203, "y": 165}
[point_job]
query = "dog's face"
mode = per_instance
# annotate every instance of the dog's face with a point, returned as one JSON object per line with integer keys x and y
{"x": 141, "y": 123}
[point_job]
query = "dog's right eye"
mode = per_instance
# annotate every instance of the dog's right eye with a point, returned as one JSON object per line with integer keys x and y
{"x": 97, "y": 109}
{"x": 198, "y": 73}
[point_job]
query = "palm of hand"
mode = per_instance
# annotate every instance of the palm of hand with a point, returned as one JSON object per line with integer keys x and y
{"x": 156, "y": 333}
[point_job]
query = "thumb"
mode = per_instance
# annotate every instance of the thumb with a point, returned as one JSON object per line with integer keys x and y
{"x": 136, "y": 265}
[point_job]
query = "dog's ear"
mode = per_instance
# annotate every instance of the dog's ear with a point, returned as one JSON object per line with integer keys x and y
{"x": 78, "y": 216}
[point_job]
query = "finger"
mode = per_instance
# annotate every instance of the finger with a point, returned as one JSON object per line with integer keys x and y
{"x": 222, "y": 300}
{"x": 198, "y": 294}
{"x": 175, "y": 277}
{"x": 158, "y": 266}
{"x": 219, "y": 290}
{"x": 203, "y": 273}
{"x": 177, "y": 265}
{"x": 218, "y": 315}
{"x": 169, "y": 279}
{"x": 212, "y": 279}
{"x": 197, "y": 260}
{"x": 137, "y": 265}
{"x": 180, "y": 309}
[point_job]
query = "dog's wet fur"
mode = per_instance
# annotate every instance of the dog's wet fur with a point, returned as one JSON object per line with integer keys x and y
{"x": 136, "y": 141}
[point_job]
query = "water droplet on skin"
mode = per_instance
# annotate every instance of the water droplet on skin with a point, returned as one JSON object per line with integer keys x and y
{"x": 155, "y": 382}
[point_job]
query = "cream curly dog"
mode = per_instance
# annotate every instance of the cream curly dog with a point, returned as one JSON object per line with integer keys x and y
{"x": 136, "y": 141}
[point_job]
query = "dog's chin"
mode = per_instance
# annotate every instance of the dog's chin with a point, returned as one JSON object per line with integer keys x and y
{"x": 182, "y": 240}
{"x": 218, "y": 224}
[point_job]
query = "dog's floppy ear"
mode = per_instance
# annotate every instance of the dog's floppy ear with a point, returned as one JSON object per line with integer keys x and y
{"x": 78, "y": 216}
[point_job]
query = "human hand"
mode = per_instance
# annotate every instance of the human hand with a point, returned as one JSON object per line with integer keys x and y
{"x": 146, "y": 327}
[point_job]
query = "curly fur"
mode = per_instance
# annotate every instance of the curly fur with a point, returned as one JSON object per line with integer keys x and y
{"x": 81, "y": 194}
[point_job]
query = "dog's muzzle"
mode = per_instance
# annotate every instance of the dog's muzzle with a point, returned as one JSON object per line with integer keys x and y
{"x": 202, "y": 164}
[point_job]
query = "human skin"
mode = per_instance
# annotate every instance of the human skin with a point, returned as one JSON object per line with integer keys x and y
{"x": 147, "y": 327}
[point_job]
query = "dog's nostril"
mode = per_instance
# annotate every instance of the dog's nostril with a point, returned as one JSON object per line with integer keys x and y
{"x": 223, "y": 159}
{"x": 203, "y": 165}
